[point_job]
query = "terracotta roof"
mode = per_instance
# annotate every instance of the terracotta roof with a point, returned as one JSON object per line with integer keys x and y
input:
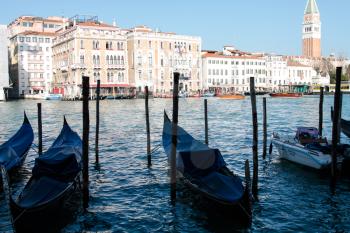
{"x": 295, "y": 63}
{"x": 216, "y": 55}
{"x": 95, "y": 24}
{"x": 36, "y": 18}
{"x": 35, "y": 33}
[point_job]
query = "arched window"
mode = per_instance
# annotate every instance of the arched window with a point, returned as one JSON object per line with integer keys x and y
{"x": 122, "y": 60}
{"x": 81, "y": 59}
{"x": 95, "y": 77}
{"x": 119, "y": 77}
{"x": 107, "y": 61}
{"x": 98, "y": 59}
{"x": 107, "y": 45}
{"x": 107, "y": 76}
{"x": 150, "y": 59}
{"x": 115, "y": 60}
{"x": 118, "y": 60}
{"x": 139, "y": 59}
{"x": 122, "y": 77}
{"x": 94, "y": 59}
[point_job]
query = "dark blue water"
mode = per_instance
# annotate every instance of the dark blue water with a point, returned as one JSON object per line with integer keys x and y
{"x": 126, "y": 196}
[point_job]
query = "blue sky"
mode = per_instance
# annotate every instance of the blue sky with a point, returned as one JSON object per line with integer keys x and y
{"x": 254, "y": 25}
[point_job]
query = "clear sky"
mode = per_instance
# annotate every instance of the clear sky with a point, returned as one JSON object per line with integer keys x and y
{"x": 251, "y": 25}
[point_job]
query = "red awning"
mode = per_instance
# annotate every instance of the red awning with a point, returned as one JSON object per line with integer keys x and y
{"x": 111, "y": 85}
{"x": 37, "y": 88}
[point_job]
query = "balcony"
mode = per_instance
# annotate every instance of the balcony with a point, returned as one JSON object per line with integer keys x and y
{"x": 64, "y": 68}
{"x": 78, "y": 66}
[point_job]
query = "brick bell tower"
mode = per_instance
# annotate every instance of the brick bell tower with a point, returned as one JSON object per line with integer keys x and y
{"x": 312, "y": 30}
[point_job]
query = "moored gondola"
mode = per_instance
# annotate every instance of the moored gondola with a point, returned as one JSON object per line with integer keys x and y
{"x": 204, "y": 170}
{"x": 14, "y": 151}
{"x": 54, "y": 179}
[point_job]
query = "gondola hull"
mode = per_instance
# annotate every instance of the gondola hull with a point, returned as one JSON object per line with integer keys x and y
{"x": 204, "y": 171}
{"x": 54, "y": 179}
{"x": 14, "y": 151}
{"x": 44, "y": 217}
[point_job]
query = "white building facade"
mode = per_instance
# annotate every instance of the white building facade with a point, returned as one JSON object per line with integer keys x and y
{"x": 154, "y": 56}
{"x": 89, "y": 47}
{"x": 4, "y": 69}
{"x": 230, "y": 71}
{"x": 31, "y": 63}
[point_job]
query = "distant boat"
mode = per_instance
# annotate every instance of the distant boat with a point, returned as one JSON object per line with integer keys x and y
{"x": 232, "y": 97}
{"x": 288, "y": 95}
{"x": 55, "y": 177}
{"x": 209, "y": 94}
{"x": 204, "y": 170}
{"x": 53, "y": 97}
{"x": 306, "y": 148}
{"x": 14, "y": 151}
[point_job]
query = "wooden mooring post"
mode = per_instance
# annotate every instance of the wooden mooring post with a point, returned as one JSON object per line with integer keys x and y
{"x": 40, "y": 131}
{"x": 248, "y": 190}
{"x": 6, "y": 220}
{"x": 264, "y": 128}
{"x": 335, "y": 128}
{"x": 174, "y": 137}
{"x": 148, "y": 131}
{"x": 206, "y": 121}
{"x": 86, "y": 128}
{"x": 255, "y": 138}
{"x": 97, "y": 131}
{"x": 320, "y": 113}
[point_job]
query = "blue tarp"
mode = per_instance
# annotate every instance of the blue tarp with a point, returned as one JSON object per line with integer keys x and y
{"x": 196, "y": 158}
{"x": 227, "y": 188}
{"x": 13, "y": 151}
{"x": 63, "y": 160}
{"x": 202, "y": 165}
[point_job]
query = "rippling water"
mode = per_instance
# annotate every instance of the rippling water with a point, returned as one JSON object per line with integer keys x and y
{"x": 126, "y": 196}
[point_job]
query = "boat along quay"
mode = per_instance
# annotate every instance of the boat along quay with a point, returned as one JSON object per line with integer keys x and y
{"x": 126, "y": 195}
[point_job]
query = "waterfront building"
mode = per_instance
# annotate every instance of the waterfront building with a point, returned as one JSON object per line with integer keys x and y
{"x": 311, "y": 30}
{"x": 35, "y": 24}
{"x": 277, "y": 73}
{"x": 4, "y": 71}
{"x": 30, "y": 63}
{"x": 154, "y": 56}
{"x": 300, "y": 77}
{"x": 86, "y": 46}
{"x": 31, "y": 55}
{"x": 229, "y": 71}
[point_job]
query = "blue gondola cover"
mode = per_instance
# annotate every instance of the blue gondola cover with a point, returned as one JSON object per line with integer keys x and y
{"x": 63, "y": 160}
{"x": 13, "y": 152}
{"x": 202, "y": 164}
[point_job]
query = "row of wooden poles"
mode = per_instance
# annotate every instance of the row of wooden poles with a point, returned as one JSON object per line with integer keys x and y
{"x": 335, "y": 131}
{"x": 86, "y": 128}
{"x": 174, "y": 134}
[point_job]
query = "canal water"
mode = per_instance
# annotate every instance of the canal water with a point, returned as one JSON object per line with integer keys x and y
{"x": 127, "y": 196}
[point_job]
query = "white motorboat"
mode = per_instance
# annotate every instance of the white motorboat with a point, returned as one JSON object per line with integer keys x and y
{"x": 306, "y": 148}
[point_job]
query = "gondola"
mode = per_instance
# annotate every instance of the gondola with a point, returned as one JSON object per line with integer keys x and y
{"x": 54, "y": 179}
{"x": 14, "y": 151}
{"x": 204, "y": 170}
